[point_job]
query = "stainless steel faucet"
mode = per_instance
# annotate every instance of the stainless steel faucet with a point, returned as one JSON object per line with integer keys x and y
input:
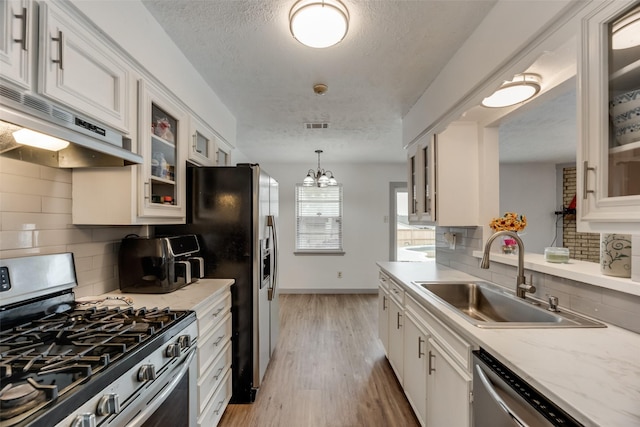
{"x": 521, "y": 282}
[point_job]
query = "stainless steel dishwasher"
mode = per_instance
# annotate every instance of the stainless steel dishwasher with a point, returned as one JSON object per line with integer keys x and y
{"x": 503, "y": 399}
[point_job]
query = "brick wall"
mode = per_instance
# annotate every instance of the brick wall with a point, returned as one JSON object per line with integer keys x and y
{"x": 582, "y": 246}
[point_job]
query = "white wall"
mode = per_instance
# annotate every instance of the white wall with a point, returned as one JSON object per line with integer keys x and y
{"x": 366, "y": 235}
{"x": 530, "y": 189}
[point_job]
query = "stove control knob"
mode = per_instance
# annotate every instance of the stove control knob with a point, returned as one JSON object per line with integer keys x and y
{"x": 184, "y": 341}
{"x": 147, "y": 373}
{"x": 108, "y": 404}
{"x": 173, "y": 350}
{"x": 84, "y": 420}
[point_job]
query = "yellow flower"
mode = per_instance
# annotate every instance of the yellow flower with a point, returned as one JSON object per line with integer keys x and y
{"x": 510, "y": 221}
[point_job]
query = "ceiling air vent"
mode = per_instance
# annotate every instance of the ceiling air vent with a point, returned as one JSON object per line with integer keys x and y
{"x": 316, "y": 125}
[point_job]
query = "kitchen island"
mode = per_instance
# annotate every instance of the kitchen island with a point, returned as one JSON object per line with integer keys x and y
{"x": 591, "y": 373}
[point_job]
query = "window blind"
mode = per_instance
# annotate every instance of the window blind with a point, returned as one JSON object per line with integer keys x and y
{"x": 319, "y": 219}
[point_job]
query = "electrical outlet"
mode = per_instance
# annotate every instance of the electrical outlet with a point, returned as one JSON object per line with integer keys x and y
{"x": 339, "y": 274}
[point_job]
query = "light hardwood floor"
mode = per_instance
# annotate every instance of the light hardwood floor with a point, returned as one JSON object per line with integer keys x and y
{"x": 328, "y": 370}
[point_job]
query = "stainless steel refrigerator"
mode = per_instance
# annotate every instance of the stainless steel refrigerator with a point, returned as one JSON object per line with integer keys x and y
{"x": 234, "y": 212}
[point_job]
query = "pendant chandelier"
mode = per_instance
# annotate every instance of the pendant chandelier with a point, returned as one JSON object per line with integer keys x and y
{"x": 320, "y": 177}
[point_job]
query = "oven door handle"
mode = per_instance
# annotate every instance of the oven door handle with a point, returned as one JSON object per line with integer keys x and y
{"x": 161, "y": 397}
{"x": 486, "y": 383}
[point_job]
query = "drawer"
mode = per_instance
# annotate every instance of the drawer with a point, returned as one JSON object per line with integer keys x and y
{"x": 212, "y": 314}
{"x": 209, "y": 382}
{"x": 212, "y": 413}
{"x": 454, "y": 344}
{"x": 396, "y": 292}
{"x": 384, "y": 280}
{"x": 211, "y": 344}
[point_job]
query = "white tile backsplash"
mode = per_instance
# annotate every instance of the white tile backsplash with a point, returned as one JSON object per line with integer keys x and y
{"x": 35, "y": 219}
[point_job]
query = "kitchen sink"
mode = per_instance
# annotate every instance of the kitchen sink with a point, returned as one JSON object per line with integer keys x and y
{"x": 489, "y": 306}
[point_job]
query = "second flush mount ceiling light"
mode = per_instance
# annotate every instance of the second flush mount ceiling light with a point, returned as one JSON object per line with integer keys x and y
{"x": 319, "y": 23}
{"x": 521, "y": 88}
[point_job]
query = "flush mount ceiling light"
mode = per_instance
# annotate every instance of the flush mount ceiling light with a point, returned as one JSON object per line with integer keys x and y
{"x": 521, "y": 88}
{"x": 39, "y": 140}
{"x": 319, "y": 23}
{"x": 320, "y": 177}
{"x": 625, "y": 32}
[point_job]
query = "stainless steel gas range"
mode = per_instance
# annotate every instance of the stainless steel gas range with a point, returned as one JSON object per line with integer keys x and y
{"x": 65, "y": 365}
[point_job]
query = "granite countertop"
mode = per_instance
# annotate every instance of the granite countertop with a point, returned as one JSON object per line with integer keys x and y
{"x": 592, "y": 373}
{"x": 190, "y": 297}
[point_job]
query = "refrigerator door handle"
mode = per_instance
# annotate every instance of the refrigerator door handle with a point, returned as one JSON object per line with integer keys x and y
{"x": 271, "y": 222}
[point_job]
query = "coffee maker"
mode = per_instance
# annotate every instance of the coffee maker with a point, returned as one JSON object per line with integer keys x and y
{"x": 158, "y": 265}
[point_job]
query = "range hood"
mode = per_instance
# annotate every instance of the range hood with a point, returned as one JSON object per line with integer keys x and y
{"x": 91, "y": 144}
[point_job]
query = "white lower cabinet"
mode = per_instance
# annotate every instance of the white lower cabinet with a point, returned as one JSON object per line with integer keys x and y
{"x": 448, "y": 390}
{"x": 383, "y": 313}
{"x": 396, "y": 337}
{"x": 415, "y": 365}
{"x": 214, "y": 358}
{"x": 431, "y": 361}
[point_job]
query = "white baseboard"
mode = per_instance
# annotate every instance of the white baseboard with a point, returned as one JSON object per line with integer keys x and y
{"x": 327, "y": 291}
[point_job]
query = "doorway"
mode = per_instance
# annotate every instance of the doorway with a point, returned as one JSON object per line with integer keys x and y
{"x": 407, "y": 242}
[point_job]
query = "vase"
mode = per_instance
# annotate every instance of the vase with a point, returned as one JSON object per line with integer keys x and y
{"x": 509, "y": 245}
{"x": 615, "y": 255}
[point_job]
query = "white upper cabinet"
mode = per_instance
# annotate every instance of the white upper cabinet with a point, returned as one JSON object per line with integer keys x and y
{"x": 609, "y": 115}
{"x": 202, "y": 143}
{"x": 444, "y": 177}
{"x": 17, "y": 45}
{"x": 223, "y": 154}
{"x": 80, "y": 70}
{"x": 205, "y": 147}
{"x": 151, "y": 193}
{"x": 163, "y": 130}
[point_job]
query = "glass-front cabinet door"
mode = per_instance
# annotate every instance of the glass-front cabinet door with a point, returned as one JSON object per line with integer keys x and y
{"x": 609, "y": 105}
{"x": 202, "y": 146}
{"x": 428, "y": 186}
{"x": 413, "y": 166}
{"x": 163, "y": 127}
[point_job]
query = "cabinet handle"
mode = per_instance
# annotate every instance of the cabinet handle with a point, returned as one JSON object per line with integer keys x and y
{"x": 218, "y": 312}
{"x": 420, "y": 353}
{"x": 431, "y": 364}
{"x": 217, "y": 410}
{"x": 384, "y": 303}
{"x": 146, "y": 190}
{"x": 398, "y": 321}
{"x": 60, "y": 41}
{"x": 217, "y": 375}
{"x": 585, "y": 179}
{"x": 218, "y": 340}
{"x": 23, "y": 33}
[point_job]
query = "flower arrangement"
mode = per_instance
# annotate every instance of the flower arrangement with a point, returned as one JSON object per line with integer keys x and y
{"x": 511, "y": 221}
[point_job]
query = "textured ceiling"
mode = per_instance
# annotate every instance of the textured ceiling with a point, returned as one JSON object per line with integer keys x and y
{"x": 392, "y": 52}
{"x": 546, "y": 133}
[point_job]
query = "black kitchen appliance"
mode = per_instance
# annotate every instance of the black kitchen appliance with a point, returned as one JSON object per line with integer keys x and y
{"x": 233, "y": 211}
{"x": 158, "y": 265}
{"x": 65, "y": 365}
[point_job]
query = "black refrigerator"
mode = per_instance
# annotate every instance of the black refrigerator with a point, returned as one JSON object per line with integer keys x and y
{"x": 233, "y": 211}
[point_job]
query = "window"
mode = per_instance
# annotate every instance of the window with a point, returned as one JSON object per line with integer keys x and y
{"x": 319, "y": 219}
